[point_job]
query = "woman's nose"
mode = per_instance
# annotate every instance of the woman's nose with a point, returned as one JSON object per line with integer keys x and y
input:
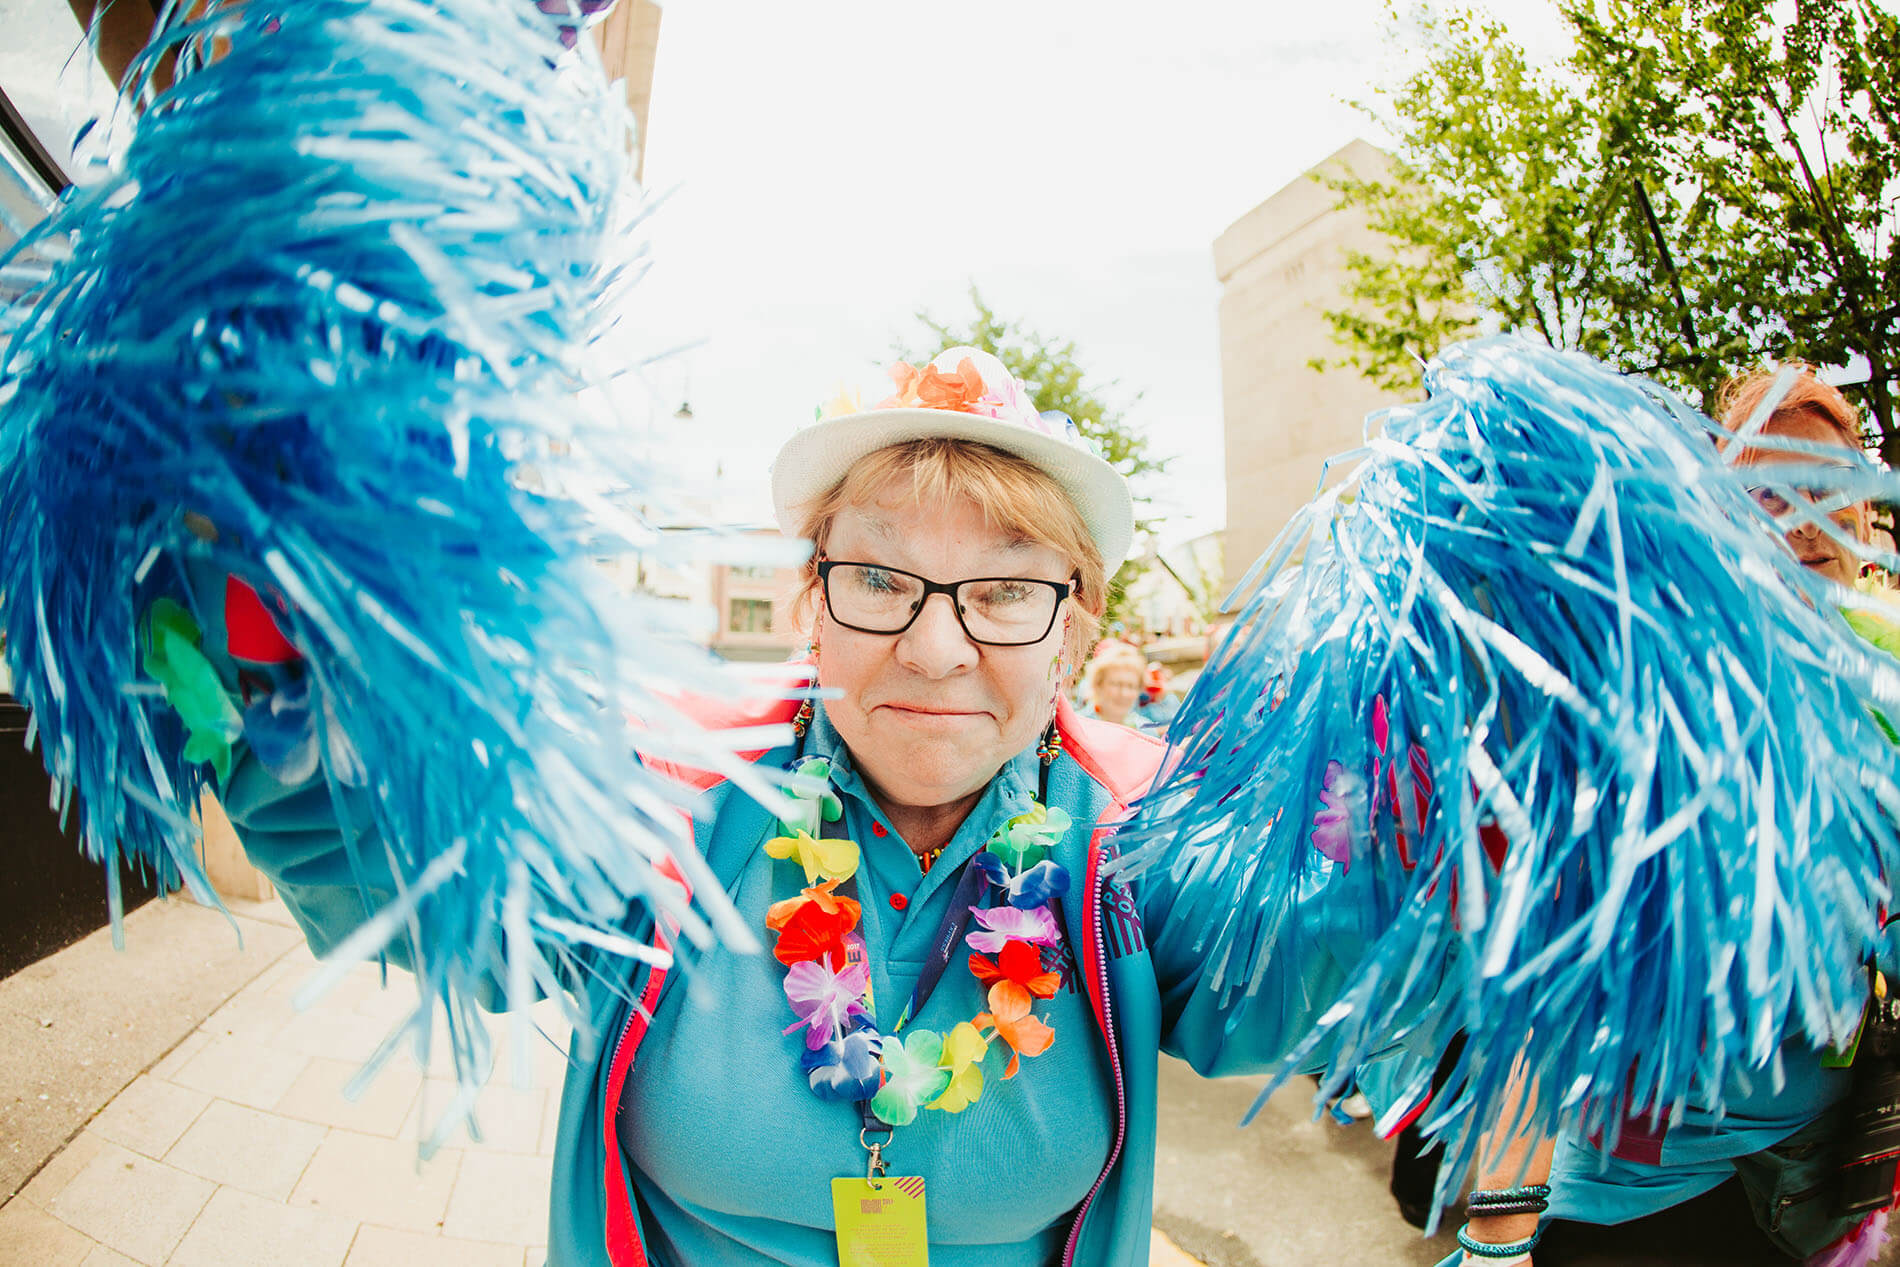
{"x": 936, "y": 644}
{"x": 1805, "y": 528}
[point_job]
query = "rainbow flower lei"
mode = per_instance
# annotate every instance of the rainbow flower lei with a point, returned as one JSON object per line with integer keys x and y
{"x": 828, "y": 980}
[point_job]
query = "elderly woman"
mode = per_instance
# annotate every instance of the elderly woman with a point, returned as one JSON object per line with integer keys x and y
{"x": 1114, "y": 683}
{"x": 999, "y": 1061}
{"x": 1780, "y": 1145}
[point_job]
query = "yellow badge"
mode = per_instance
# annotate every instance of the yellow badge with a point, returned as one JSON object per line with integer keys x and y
{"x": 881, "y": 1222}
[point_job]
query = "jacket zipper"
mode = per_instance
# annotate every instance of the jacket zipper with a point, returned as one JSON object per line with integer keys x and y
{"x": 1114, "y": 1057}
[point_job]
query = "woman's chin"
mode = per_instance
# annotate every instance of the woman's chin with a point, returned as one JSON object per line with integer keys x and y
{"x": 928, "y": 769}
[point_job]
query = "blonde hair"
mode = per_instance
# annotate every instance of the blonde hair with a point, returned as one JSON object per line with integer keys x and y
{"x": 1016, "y": 497}
{"x": 1115, "y": 655}
{"x": 1741, "y": 396}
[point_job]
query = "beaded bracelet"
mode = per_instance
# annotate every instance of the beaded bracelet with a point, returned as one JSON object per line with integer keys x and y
{"x": 1485, "y": 1249}
{"x": 1527, "y": 1192}
{"x": 1530, "y": 1199}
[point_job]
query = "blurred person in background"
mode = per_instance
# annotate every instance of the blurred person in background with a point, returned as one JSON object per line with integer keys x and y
{"x": 1114, "y": 682}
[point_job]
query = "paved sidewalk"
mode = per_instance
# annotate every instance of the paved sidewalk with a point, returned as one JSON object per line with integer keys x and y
{"x": 238, "y": 1147}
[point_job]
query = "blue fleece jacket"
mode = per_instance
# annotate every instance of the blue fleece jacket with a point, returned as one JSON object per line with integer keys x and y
{"x": 1141, "y": 965}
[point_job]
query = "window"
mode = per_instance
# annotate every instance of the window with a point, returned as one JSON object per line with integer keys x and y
{"x": 754, "y": 574}
{"x": 749, "y": 615}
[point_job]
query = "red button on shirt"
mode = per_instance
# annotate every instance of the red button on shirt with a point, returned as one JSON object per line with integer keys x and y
{"x": 877, "y": 829}
{"x": 899, "y": 901}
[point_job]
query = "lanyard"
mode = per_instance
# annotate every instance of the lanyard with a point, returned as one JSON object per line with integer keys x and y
{"x": 943, "y": 947}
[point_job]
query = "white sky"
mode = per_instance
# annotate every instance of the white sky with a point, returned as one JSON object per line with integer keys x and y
{"x": 833, "y": 167}
{"x": 830, "y": 167}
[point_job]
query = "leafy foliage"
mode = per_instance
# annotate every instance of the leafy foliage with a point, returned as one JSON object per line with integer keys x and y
{"x": 1697, "y": 188}
{"x": 1051, "y": 370}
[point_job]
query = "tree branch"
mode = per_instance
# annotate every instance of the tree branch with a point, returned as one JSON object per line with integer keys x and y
{"x": 1668, "y": 262}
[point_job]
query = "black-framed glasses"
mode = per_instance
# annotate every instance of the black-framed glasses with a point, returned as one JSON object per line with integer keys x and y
{"x": 1773, "y": 498}
{"x": 995, "y": 611}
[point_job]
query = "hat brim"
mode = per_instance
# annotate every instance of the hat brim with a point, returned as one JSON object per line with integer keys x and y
{"x": 817, "y": 457}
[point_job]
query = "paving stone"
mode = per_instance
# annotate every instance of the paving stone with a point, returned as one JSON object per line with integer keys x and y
{"x": 374, "y": 1180}
{"x": 61, "y": 1168}
{"x": 511, "y": 1121}
{"x": 500, "y": 1197}
{"x": 1163, "y": 1252}
{"x": 175, "y": 1059}
{"x": 29, "y": 1234}
{"x": 103, "y": 1257}
{"x": 547, "y": 1047}
{"x": 385, "y": 1247}
{"x": 130, "y": 1203}
{"x": 240, "y": 1230}
{"x": 261, "y": 1153}
{"x": 550, "y": 1126}
{"x": 323, "y": 1032}
{"x": 242, "y": 1070}
{"x": 317, "y": 1096}
{"x": 392, "y": 1004}
{"x": 79, "y": 1025}
{"x": 149, "y": 1116}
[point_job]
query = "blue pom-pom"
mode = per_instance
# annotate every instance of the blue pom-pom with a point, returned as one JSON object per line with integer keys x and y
{"x": 333, "y": 325}
{"x": 1540, "y": 692}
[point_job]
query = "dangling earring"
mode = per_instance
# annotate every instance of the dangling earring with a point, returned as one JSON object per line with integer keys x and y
{"x": 1051, "y": 746}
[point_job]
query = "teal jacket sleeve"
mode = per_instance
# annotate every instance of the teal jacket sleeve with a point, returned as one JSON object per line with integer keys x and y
{"x": 301, "y": 837}
{"x": 1243, "y": 1005}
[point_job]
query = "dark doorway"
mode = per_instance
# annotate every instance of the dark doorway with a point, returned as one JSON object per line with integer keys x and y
{"x": 50, "y": 896}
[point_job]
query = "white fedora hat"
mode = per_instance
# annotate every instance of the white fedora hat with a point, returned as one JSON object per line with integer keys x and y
{"x": 964, "y": 394}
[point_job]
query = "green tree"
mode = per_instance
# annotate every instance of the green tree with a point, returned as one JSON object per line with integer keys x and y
{"x": 1052, "y": 372}
{"x": 1695, "y": 189}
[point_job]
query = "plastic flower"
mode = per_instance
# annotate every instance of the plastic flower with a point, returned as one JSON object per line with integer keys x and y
{"x": 1008, "y": 399}
{"x": 832, "y": 859}
{"x": 1036, "y": 886}
{"x": 812, "y": 805}
{"x": 913, "y": 1077}
{"x": 1016, "y": 974}
{"x": 963, "y": 1050}
{"x": 1342, "y": 794}
{"x": 1033, "y": 887}
{"x": 1027, "y": 838}
{"x": 930, "y": 388}
{"x": 824, "y": 1001}
{"x": 282, "y": 730}
{"x": 813, "y": 925}
{"x": 1004, "y": 922}
{"x": 845, "y": 1068}
{"x": 250, "y": 631}
{"x": 1021, "y": 1032}
{"x": 844, "y": 402}
{"x": 191, "y": 684}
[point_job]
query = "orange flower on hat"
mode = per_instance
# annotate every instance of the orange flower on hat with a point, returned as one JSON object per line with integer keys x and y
{"x": 930, "y": 388}
{"x": 1021, "y": 1032}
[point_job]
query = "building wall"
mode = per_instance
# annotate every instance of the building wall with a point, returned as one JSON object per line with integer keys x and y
{"x": 749, "y": 604}
{"x": 1280, "y": 267}
{"x": 629, "y": 39}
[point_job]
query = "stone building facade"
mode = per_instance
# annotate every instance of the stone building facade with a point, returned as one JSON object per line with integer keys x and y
{"x": 1280, "y": 267}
